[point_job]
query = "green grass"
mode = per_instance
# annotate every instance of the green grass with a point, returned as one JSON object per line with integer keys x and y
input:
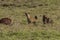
{"x": 31, "y": 35}
{"x": 21, "y": 30}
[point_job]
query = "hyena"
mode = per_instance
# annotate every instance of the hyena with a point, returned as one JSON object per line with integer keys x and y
{"x": 31, "y": 19}
{"x": 47, "y": 20}
{"x": 6, "y": 21}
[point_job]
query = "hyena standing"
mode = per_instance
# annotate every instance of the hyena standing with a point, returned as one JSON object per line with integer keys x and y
{"x": 31, "y": 19}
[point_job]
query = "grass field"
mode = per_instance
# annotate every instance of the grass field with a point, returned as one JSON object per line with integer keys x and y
{"x": 20, "y": 29}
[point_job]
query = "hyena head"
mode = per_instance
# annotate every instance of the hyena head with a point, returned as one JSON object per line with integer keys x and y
{"x": 44, "y": 19}
{"x": 28, "y": 17}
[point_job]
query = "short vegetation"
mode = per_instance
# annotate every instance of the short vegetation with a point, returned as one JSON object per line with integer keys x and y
{"x": 20, "y": 29}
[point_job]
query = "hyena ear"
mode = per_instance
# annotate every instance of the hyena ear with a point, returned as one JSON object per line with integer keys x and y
{"x": 36, "y": 17}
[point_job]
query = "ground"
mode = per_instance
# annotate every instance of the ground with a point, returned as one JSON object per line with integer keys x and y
{"x": 21, "y": 30}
